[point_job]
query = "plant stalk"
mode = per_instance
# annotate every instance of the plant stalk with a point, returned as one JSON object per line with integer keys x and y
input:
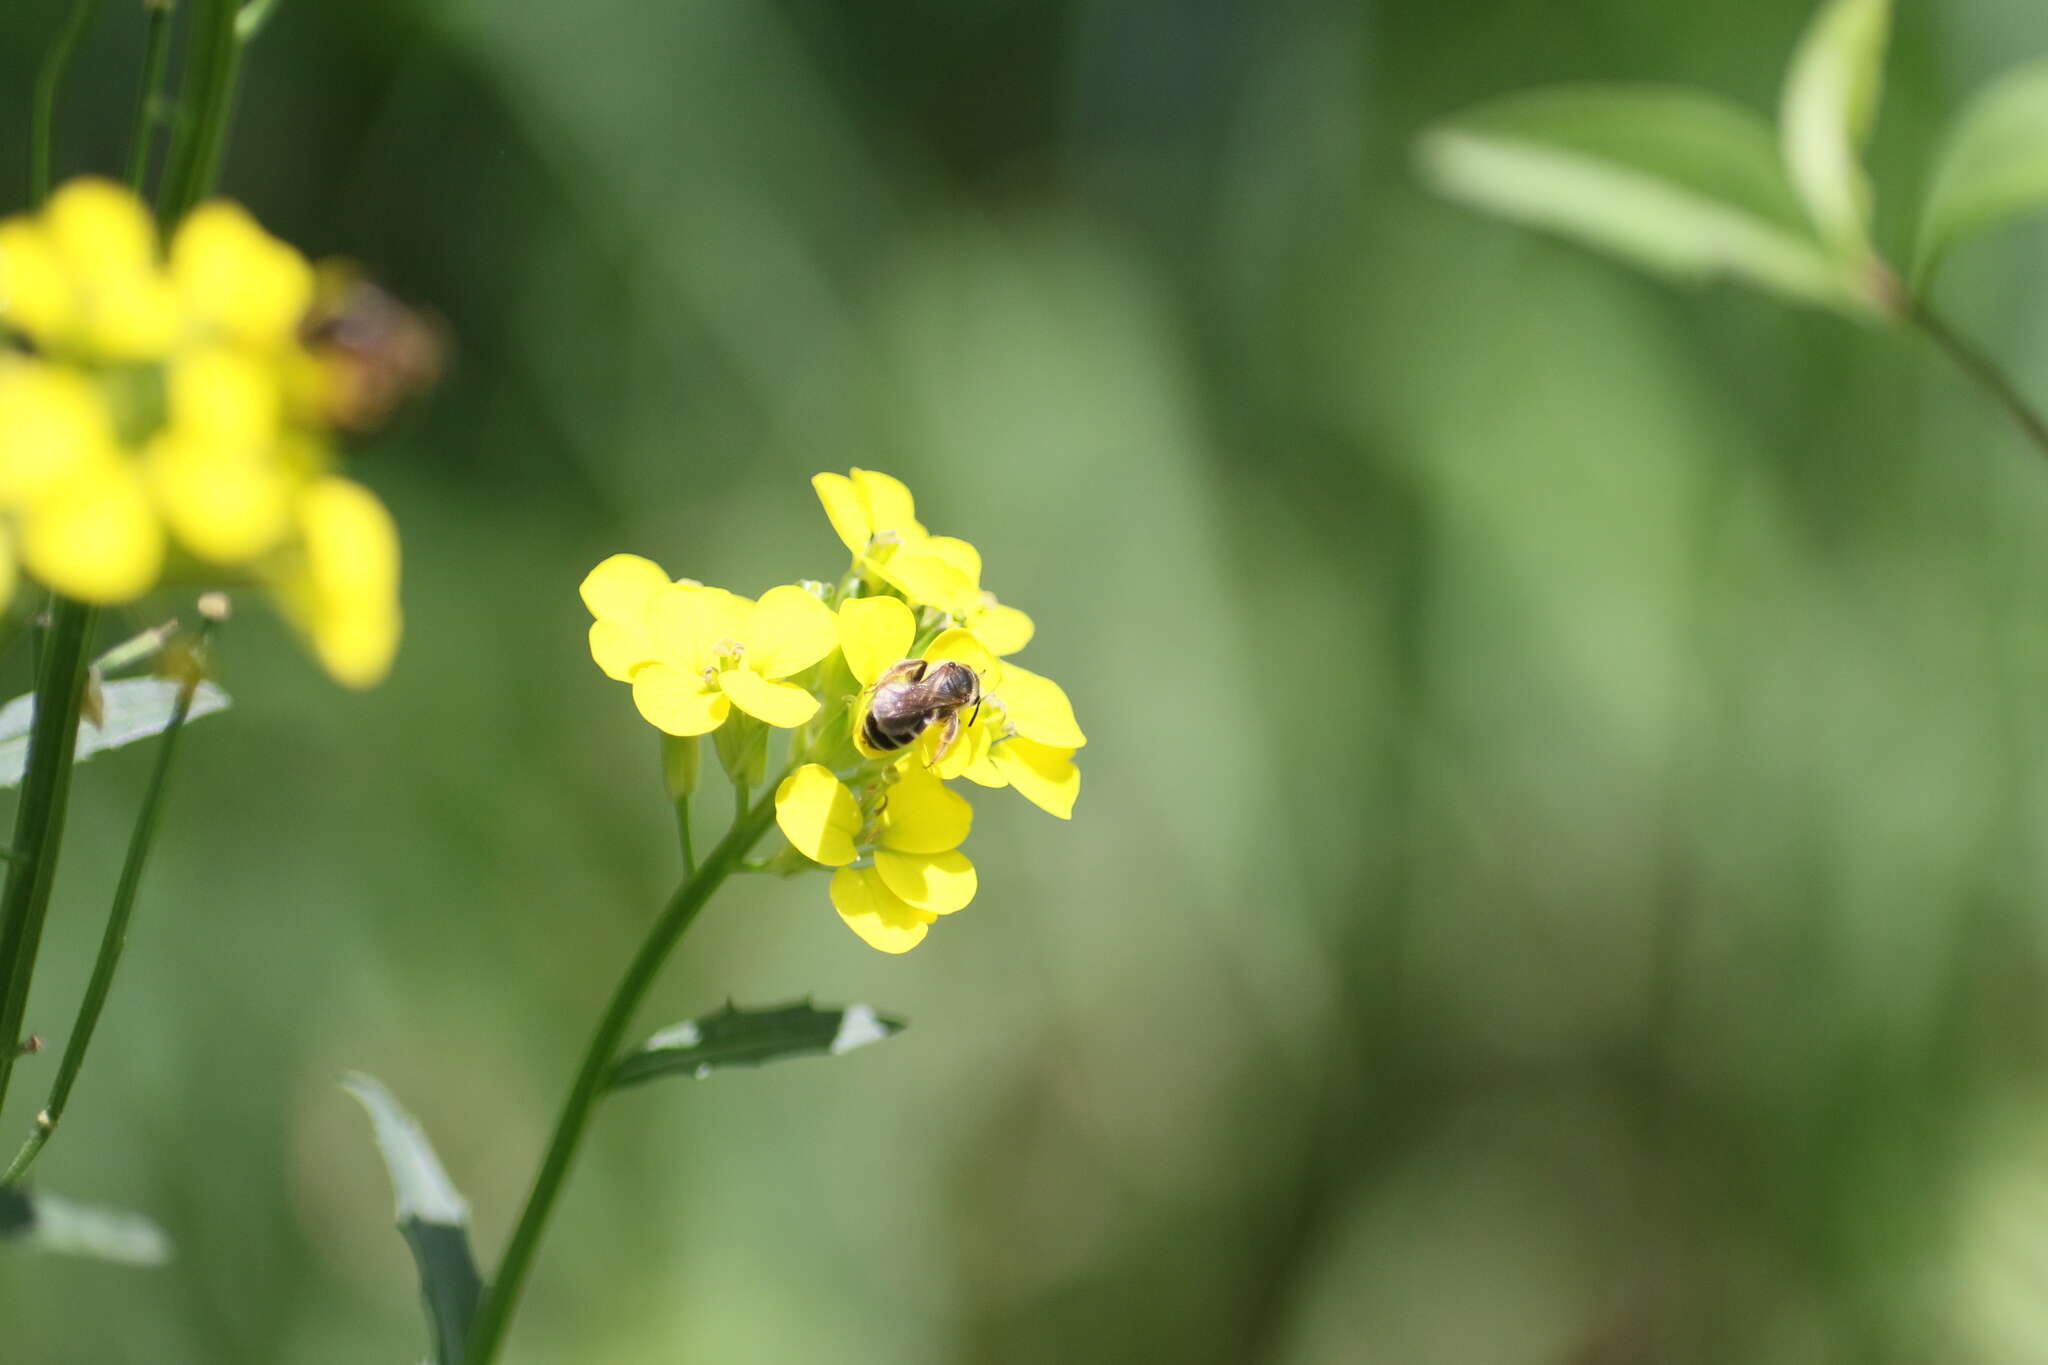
{"x": 494, "y": 1314}
{"x": 207, "y": 97}
{"x": 42, "y": 143}
{"x": 156, "y": 61}
{"x": 39, "y": 818}
{"x": 1981, "y": 369}
{"x": 112, "y": 942}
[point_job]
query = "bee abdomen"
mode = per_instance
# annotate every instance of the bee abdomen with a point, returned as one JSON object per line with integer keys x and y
{"x": 886, "y": 735}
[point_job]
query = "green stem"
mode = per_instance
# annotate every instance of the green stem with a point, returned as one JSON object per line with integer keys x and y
{"x": 207, "y": 99}
{"x": 156, "y": 61}
{"x": 39, "y": 818}
{"x": 42, "y": 141}
{"x": 495, "y": 1313}
{"x": 255, "y": 14}
{"x": 683, "y": 833}
{"x": 1981, "y": 369}
{"x": 112, "y": 942}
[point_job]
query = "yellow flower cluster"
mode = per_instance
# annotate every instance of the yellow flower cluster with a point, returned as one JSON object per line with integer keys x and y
{"x": 163, "y": 420}
{"x": 850, "y": 672}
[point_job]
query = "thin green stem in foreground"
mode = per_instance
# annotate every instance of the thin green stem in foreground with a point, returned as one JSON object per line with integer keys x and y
{"x": 39, "y": 818}
{"x": 42, "y": 142}
{"x": 113, "y": 941}
{"x": 156, "y": 62}
{"x": 1981, "y": 368}
{"x": 502, "y": 1297}
{"x": 206, "y": 101}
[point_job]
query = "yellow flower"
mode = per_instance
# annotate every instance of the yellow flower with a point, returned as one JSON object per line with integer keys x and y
{"x": 713, "y": 650}
{"x": 82, "y": 276}
{"x": 237, "y": 282}
{"x": 874, "y": 516}
{"x": 1023, "y": 734}
{"x": 616, "y": 593}
{"x": 343, "y": 591}
{"x": 914, "y": 870}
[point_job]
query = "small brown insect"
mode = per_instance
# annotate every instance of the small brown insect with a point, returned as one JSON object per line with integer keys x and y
{"x": 912, "y": 695}
{"x": 377, "y": 352}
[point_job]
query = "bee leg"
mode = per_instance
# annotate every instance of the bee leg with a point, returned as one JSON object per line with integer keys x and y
{"x": 950, "y": 731}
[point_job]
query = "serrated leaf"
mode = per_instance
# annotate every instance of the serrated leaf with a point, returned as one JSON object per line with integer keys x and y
{"x": 1830, "y": 102}
{"x": 1993, "y": 164}
{"x": 736, "y": 1037}
{"x": 1676, "y": 180}
{"x": 133, "y": 708}
{"x": 44, "y": 1222}
{"x": 432, "y": 1217}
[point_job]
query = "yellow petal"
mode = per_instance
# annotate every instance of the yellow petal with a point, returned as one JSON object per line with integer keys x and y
{"x": 874, "y": 632}
{"x": 225, "y": 398}
{"x": 620, "y": 651}
{"x": 35, "y": 292}
{"x": 889, "y": 504}
{"x": 968, "y": 748}
{"x": 928, "y": 580}
{"x": 53, "y": 425}
{"x": 678, "y": 703}
{"x": 921, "y": 815}
{"x": 845, "y": 510}
{"x": 131, "y": 317}
{"x": 618, "y": 589}
{"x": 963, "y": 646}
{"x": 818, "y": 815}
{"x": 1044, "y": 775}
{"x": 351, "y": 560}
{"x": 691, "y": 626}
{"x": 98, "y": 226}
{"x": 940, "y": 882}
{"x": 225, "y": 506}
{"x": 1039, "y": 709}
{"x": 789, "y": 631}
{"x": 873, "y": 912}
{"x": 236, "y": 278}
{"x": 1005, "y": 630}
{"x": 779, "y": 703}
{"x": 95, "y": 537}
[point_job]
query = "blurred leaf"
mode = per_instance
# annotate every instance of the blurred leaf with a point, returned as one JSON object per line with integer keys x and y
{"x": 432, "y": 1217}
{"x": 1830, "y": 102}
{"x": 134, "y": 708}
{"x": 1677, "y": 180}
{"x": 43, "y": 1222}
{"x": 1993, "y": 164}
{"x": 737, "y": 1037}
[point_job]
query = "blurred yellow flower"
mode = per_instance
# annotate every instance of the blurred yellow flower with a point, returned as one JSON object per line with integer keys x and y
{"x": 152, "y": 424}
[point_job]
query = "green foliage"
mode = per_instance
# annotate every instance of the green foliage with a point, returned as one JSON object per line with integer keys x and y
{"x": 1678, "y": 181}
{"x": 432, "y": 1217}
{"x": 1830, "y": 102}
{"x": 1993, "y": 165}
{"x": 43, "y": 1222}
{"x": 735, "y": 1037}
{"x": 131, "y": 709}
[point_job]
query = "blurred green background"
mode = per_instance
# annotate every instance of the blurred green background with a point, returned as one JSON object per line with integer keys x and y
{"x": 1560, "y": 873}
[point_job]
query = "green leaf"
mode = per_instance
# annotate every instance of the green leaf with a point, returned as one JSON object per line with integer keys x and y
{"x": 1993, "y": 164}
{"x": 43, "y": 1222}
{"x": 432, "y": 1217}
{"x": 135, "y": 708}
{"x": 737, "y": 1037}
{"x": 1675, "y": 180}
{"x": 1830, "y": 102}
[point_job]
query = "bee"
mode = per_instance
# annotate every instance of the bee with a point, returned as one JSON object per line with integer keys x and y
{"x": 377, "y": 352}
{"x": 913, "y": 695}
